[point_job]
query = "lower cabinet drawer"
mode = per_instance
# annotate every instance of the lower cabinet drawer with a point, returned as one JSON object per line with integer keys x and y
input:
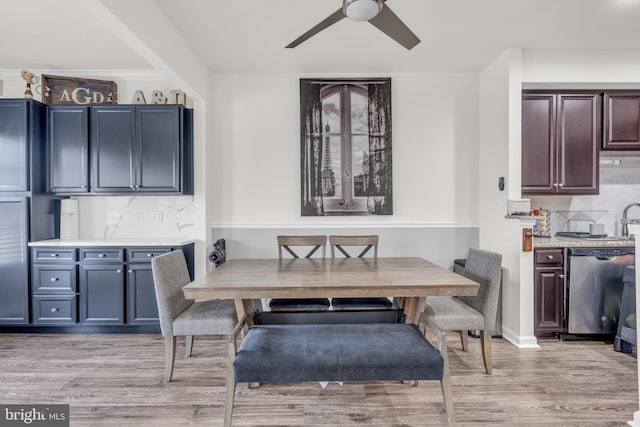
{"x": 145, "y": 254}
{"x": 55, "y": 309}
{"x": 54, "y": 279}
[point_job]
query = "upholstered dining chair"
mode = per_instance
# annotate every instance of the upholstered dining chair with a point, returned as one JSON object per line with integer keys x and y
{"x": 363, "y": 244}
{"x": 312, "y": 244}
{"x": 471, "y": 312}
{"x": 182, "y": 317}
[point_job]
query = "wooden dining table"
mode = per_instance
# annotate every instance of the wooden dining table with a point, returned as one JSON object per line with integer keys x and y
{"x": 409, "y": 280}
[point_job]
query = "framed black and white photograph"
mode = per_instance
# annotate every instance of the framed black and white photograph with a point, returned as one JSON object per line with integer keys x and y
{"x": 345, "y": 147}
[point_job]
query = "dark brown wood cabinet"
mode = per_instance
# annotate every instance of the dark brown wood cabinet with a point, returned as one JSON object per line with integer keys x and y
{"x": 548, "y": 292}
{"x": 621, "y": 121}
{"x": 560, "y": 142}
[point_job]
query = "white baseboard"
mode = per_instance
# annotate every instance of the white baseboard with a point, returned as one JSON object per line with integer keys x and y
{"x": 519, "y": 341}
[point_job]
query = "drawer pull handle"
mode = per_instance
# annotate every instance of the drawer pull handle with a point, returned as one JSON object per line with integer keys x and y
{"x": 54, "y": 279}
{"x": 549, "y": 256}
{"x": 55, "y": 309}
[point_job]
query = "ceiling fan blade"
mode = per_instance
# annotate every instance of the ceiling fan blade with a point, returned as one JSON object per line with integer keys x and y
{"x": 327, "y": 22}
{"x": 389, "y": 23}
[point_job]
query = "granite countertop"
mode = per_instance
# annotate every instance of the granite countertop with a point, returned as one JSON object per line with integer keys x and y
{"x": 572, "y": 242}
{"x": 160, "y": 241}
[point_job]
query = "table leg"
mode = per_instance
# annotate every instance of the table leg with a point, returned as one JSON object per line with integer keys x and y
{"x": 239, "y": 307}
{"x": 413, "y": 307}
{"x": 246, "y": 306}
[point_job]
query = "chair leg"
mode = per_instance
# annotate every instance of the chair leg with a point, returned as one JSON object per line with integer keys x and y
{"x": 464, "y": 337}
{"x": 189, "y": 344}
{"x": 485, "y": 340}
{"x": 169, "y": 357}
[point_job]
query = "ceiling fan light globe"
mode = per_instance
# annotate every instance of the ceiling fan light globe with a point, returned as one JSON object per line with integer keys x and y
{"x": 362, "y": 10}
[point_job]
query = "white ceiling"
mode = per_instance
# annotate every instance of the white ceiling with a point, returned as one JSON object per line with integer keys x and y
{"x": 249, "y": 36}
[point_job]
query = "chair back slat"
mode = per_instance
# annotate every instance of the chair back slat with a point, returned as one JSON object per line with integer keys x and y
{"x": 315, "y": 242}
{"x": 340, "y": 242}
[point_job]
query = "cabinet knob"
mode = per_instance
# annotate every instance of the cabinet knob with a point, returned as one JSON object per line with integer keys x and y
{"x": 54, "y": 255}
{"x": 149, "y": 255}
{"x": 55, "y": 309}
{"x": 54, "y": 279}
{"x": 130, "y": 271}
{"x": 561, "y": 185}
{"x": 549, "y": 257}
{"x": 555, "y": 184}
{"x": 561, "y": 276}
{"x": 84, "y": 187}
{"x": 118, "y": 271}
{"x": 102, "y": 255}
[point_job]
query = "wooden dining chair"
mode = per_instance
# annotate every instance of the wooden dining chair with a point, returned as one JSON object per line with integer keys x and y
{"x": 313, "y": 244}
{"x": 471, "y": 312}
{"x": 364, "y": 245}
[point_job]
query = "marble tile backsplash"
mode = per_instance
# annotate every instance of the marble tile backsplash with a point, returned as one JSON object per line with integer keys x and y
{"x": 136, "y": 216}
{"x": 619, "y": 186}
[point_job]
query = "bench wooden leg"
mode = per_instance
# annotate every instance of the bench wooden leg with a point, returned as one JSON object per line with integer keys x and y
{"x": 189, "y": 345}
{"x": 464, "y": 337}
{"x": 485, "y": 342}
{"x": 169, "y": 357}
{"x": 445, "y": 383}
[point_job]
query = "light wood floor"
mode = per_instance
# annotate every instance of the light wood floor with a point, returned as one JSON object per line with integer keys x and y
{"x": 117, "y": 380}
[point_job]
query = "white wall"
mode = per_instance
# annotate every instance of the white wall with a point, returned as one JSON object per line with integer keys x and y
{"x": 499, "y": 155}
{"x": 256, "y": 150}
{"x": 619, "y": 67}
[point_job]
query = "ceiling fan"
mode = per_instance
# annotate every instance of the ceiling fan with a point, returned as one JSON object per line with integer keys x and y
{"x": 376, "y": 12}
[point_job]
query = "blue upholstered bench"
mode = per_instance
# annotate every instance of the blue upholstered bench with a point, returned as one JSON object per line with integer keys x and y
{"x": 336, "y": 352}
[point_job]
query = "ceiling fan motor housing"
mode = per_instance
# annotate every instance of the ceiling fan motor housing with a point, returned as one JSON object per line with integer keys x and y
{"x": 361, "y": 10}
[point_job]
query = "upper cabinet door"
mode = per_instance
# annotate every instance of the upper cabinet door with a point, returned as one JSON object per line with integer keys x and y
{"x": 538, "y": 143}
{"x": 68, "y": 148}
{"x": 621, "y": 121}
{"x": 560, "y": 143}
{"x": 159, "y": 144}
{"x": 578, "y": 137}
{"x": 113, "y": 133}
{"x": 14, "y": 145}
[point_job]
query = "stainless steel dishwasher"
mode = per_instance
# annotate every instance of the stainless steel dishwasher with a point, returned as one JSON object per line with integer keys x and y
{"x": 594, "y": 288}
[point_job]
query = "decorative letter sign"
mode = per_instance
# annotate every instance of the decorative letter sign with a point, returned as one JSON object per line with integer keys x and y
{"x": 71, "y": 90}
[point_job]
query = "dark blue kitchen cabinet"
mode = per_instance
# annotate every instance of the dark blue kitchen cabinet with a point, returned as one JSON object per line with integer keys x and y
{"x": 142, "y": 149}
{"x": 102, "y": 279}
{"x": 142, "y": 307}
{"x": 113, "y": 134}
{"x": 26, "y": 213}
{"x": 54, "y": 286}
{"x": 68, "y": 148}
{"x": 14, "y": 261}
{"x": 21, "y": 145}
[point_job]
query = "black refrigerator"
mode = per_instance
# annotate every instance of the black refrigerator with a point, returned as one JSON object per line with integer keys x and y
{"x": 27, "y": 212}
